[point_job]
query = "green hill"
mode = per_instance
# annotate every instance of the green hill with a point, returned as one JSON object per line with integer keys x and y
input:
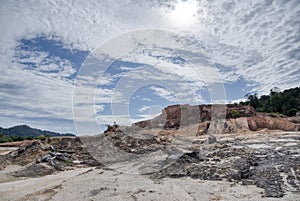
{"x": 21, "y": 132}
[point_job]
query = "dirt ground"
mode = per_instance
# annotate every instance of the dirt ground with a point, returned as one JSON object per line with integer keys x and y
{"x": 133, "y": 180}
{"x": 106, "y": 184}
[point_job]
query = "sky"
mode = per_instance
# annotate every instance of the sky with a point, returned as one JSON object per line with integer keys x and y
{"x": 75, "y": 66}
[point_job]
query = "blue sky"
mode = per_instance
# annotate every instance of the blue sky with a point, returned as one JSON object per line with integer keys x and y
{"x": 198, "y": 52}
{"x": 55, "y": 51}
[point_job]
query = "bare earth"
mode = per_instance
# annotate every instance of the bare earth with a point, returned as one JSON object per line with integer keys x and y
{"x": 98, "y": 184}
{"x": 124, "y": 181}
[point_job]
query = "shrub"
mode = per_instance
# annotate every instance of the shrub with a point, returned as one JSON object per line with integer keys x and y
{"x": 109, "y": 127}
{"x": 234, "y": 113}
{"x": 19, "y": 138}
{"x": 5, "y": 138}
{"x": 29, "y": 138}
{"x": 292, "y": 112}
{"x": 41, "y": 137}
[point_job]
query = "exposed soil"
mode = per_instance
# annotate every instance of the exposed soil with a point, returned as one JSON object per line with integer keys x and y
{"x": 268, "y": 160}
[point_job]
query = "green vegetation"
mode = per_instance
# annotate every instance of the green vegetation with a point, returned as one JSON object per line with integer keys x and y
{"x": 291, "y": 112}
{"x": 7, "y": 138}
{"x": 41, "y": 137}
{"x": 286, "y": 102}
{"x": 4, "y": 138}
{"x": 23, "y": 132}
{"x": 109, "y": 127}
{"x": 234, "y": 113}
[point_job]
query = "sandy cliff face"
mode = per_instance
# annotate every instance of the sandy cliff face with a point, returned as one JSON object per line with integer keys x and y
{"x": 233, "y": 118}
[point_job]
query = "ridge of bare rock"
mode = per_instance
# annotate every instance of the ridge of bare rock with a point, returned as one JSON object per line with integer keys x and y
{"x": 236, "y": 118}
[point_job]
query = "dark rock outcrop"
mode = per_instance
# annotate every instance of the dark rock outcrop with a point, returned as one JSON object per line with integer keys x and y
{"x": 265, "y": 168}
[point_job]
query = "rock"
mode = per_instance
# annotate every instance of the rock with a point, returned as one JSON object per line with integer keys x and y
{"x": 238, "y": 118}
{"x": 247, "y": 166}
{"x": 241, "y": 123}
{"x": 175, "y": 116}
{"x": 211, "y": 139}
{"x": 295, "y": 119}
{"x": 70, "y": 149}
{"x": 46, "y": 158}
{"x": 203, "y": 128}
{"x": 252, "y": 124}
{"x": 271, "y": 123}
{"x": 52, "y": 148}
{"x": 34, "y": 170}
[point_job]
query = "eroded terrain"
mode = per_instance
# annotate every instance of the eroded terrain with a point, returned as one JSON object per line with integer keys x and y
{"x": 118, "y": 166}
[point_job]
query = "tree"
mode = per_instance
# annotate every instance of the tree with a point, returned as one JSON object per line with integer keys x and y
{"x": 29, "y": 138}
{"x": 5, "y": 138}
{"x": 275, "y": 102}
{"x": 292, "y": 112}
{"x": 253, "y": 100}
{"x": 285, "y": 102}
{"x": 275, "y": 90}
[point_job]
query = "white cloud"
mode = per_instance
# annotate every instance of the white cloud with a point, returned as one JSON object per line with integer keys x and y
{"x": 256, "y": 40}
{"x": 238, "y": 100}
{"x": 164, "y": 93}
{"x": 42, "y": 64}
{"x": 144, "y": 108}
{"x": 110, "y": 119}
{"x": 25, "y": 95}
{"x": 146, "y": 99}
{"x": 144, "y": 117}
{"x": 260, "y": 34}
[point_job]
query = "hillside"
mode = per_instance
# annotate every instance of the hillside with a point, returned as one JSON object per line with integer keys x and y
{"x": 26, "y": 131}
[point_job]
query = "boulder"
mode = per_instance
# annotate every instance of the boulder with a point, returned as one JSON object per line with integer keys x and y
{"x": 252, "y": 124}
{"x": 203, "y": 127}
{"x": 235, "y": 125}
{"x": 242, "y": 123}
{"x": 211, "y": 139}
{"x": 270, "y": 123}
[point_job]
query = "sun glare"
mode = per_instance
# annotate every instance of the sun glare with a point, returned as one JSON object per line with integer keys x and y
{"x": 184, "y": 13}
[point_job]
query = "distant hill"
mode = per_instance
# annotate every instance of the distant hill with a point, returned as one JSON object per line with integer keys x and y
{"x": 26, "y": 131}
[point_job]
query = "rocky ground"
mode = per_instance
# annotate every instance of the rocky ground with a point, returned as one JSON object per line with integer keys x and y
{"x": 37, "y": 157}
{"x": 271, "y": 164}
{"x": 154, "y": 165}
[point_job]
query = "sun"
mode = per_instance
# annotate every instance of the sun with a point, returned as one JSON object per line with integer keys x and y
{"x": 184, "y": 14}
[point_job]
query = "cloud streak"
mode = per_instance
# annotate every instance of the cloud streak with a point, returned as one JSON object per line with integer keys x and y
{"x": 256, "y": 41}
